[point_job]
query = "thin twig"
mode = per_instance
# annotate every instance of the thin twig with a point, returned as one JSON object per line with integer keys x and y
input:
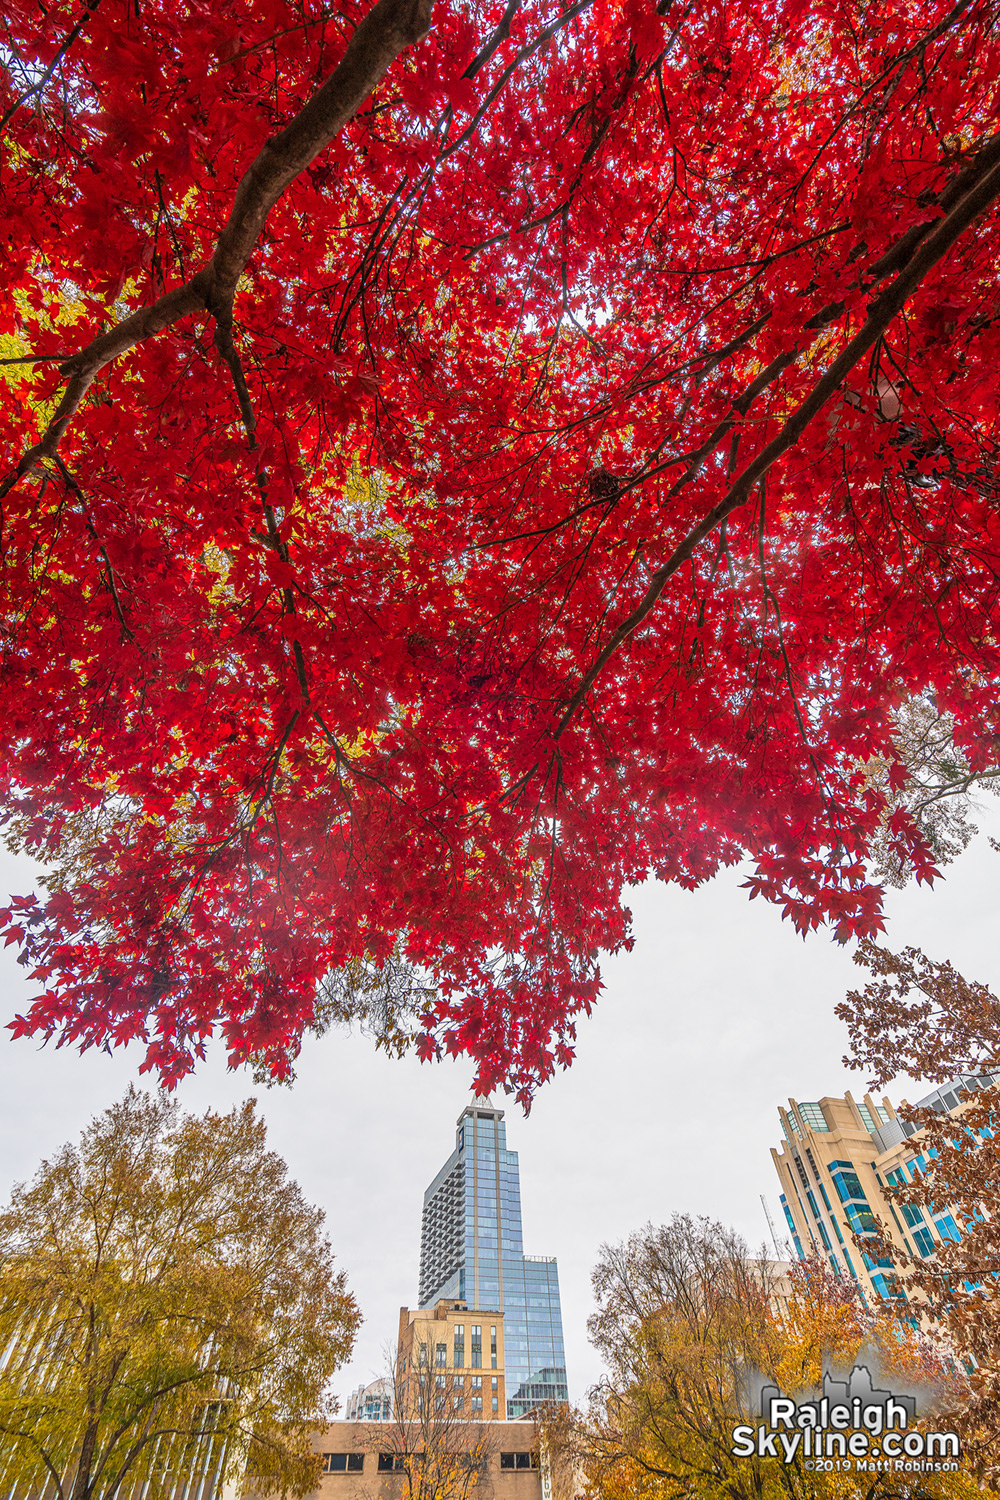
{"x": 109, "y": 574}
{"x": 36, "y": 88}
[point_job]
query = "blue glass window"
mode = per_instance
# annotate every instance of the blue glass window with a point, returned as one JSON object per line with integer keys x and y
{"x": 848, "y": 1185}
{"x": 861, "y": 1220}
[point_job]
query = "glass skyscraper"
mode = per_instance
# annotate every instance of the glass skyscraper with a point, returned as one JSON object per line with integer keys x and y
{"x": 470, "y": 1251}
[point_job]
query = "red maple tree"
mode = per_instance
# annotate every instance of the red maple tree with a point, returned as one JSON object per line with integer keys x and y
{"x": 458, "y": 466}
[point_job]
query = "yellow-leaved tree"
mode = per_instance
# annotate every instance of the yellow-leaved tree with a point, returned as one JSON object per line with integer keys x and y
{"x": 169, "y": 1313}
{"x": 691, "y": 1326}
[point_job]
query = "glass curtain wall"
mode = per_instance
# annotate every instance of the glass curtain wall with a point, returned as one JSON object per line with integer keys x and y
{"x": 471, "y": 1252}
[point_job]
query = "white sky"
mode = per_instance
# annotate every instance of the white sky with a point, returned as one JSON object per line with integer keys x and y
{"x": 717, "y": 1016}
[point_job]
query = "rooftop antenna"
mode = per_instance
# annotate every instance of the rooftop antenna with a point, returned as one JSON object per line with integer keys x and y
{"x": 774, "y": 1237}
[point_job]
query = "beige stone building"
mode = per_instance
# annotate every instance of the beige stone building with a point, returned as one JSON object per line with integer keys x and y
{"x": 452, "y": 1459}
{"x": 837, "y": 1159}
{"x": 451, "y": 1357}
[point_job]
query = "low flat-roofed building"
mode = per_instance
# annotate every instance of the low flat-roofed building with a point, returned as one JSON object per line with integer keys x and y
{"x": 381, "y": 1460}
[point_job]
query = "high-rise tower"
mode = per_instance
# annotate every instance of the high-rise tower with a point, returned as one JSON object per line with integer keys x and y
{"x": 470, "y": 1252}
{"x": 837, "y": 1162}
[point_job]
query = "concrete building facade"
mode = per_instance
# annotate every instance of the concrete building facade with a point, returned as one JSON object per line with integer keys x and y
{"x": 471, "y": 1253}
{"x": 836, "y": 1161}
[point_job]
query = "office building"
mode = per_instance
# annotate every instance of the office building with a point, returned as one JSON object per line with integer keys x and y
{"x": 471, "y": 1254}
{"x": 370, "y": 1403}
{"x": 451, "y": 1358}
{"x": 836, "y": 1161}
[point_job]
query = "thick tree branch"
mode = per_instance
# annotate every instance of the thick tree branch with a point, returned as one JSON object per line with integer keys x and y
{"x": 982, "y": 181}
{"x": 387, "y": 30}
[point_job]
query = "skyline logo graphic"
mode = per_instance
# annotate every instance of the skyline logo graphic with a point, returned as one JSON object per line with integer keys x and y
{"x": 849, "y": 1425}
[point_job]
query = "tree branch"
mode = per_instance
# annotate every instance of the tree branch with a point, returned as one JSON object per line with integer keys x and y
{"x": 72, "y": 484}
{"x": 387, "y": 29}
{"x": 931, "y": 248}
{"x": 36, "y": 88}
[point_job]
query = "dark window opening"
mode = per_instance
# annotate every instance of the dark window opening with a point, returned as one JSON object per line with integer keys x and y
{"x": 519, "y": 1460}
{"x": 343, "y": 1463}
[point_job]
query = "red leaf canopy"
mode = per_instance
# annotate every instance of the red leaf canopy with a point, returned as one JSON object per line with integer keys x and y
{"x": 461, "y": 465}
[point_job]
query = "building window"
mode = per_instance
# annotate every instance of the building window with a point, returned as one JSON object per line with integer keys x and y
{"x": 477, "y": 1346}
{"x": 861, "y": 1220}
{"x": 387, "y": 1462}
{"x": 519, "y": 1460}
{"x": 459, "y": 1382}
{"x": 887, "y": 1287}
{"x": 493, "y": 1348}
{"x": 441, "y": 1356}
{"x": 439, "y": 1382}
{"x": 343, "y": 1463}
{"x": 496, "y": 1403}
{"x": 866, "y": 1118}
{"x": 423, "y": 1354}
{"x": 496, "y": 1382}
{"x": 924, "y": 1241}
{"x": 848, "y": 1185}
{"x": 477, "y": 1403}
{"x": 477, "y": 1382}
{"x": 458, "y": 1401}
{"x": 459, "y": 1352}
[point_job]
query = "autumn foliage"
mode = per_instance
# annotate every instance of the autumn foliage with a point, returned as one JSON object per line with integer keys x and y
{"x": 459, "y": 464}
{"x": 922, "y": 1017}
{"x": 168, "y": 1306}
{"x": 691, "y": 1326}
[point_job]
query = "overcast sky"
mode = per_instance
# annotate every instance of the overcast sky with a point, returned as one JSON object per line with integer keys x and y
{"x": 717, "y": 1016}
